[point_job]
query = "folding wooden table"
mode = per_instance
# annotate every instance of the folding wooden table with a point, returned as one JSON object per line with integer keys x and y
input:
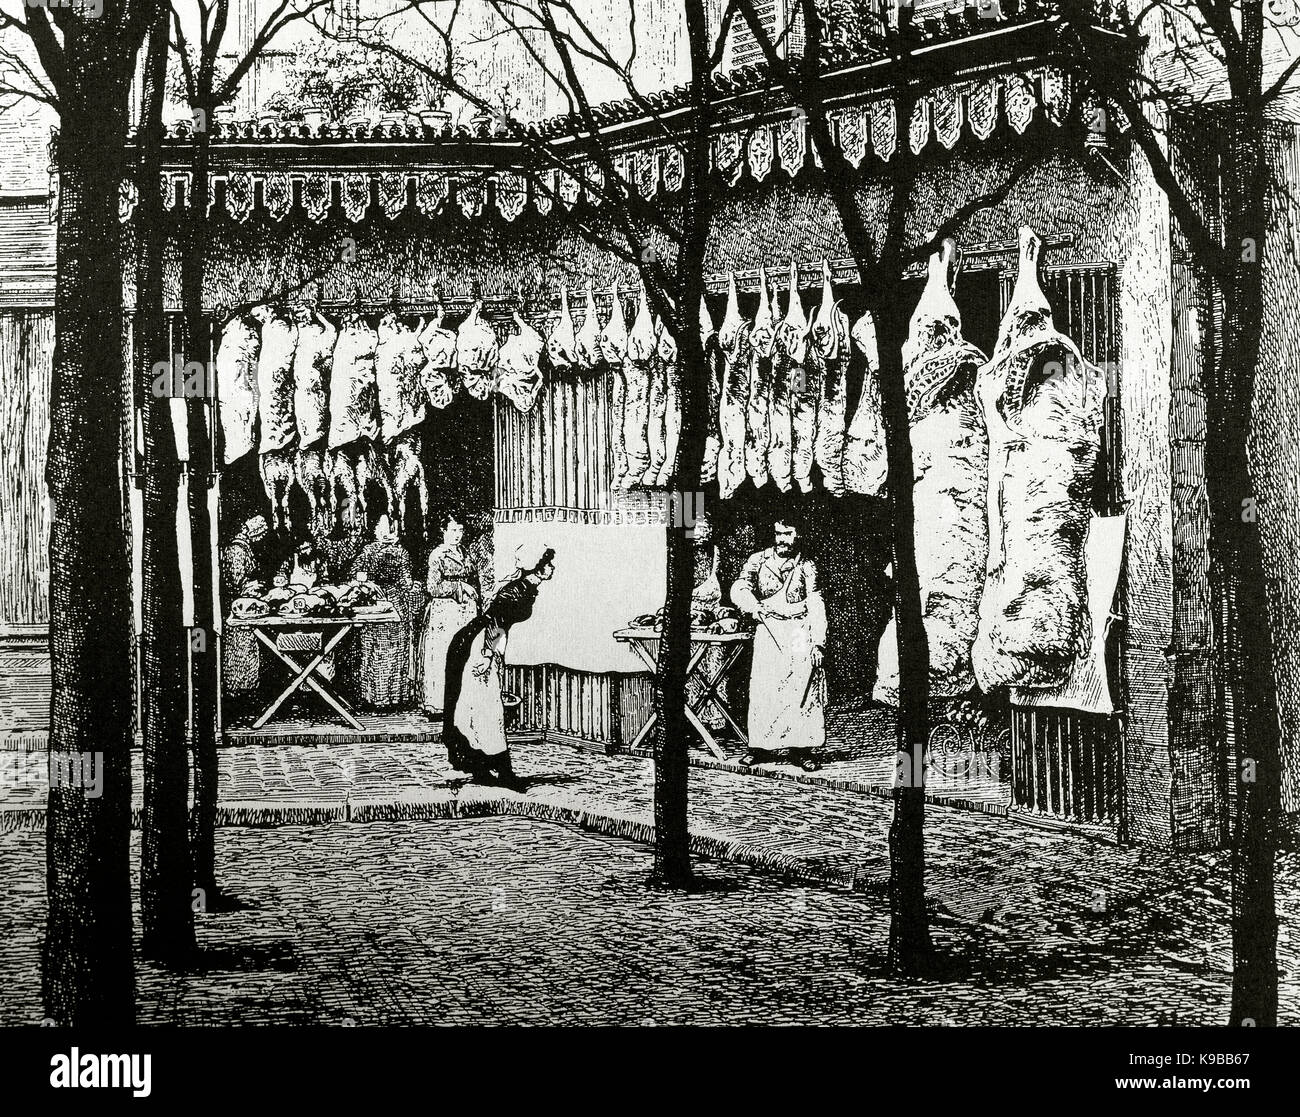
{"x": 332, "y": 630}
{"x": 643, "y": 641}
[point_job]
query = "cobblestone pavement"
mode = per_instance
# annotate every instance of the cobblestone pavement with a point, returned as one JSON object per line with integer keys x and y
{"x": 516, "y": 921}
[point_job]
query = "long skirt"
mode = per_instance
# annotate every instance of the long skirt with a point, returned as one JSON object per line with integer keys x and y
{"x": 787, "y": 696}
{"x": 443, "y": 618}
{"x": 473, "y": 716}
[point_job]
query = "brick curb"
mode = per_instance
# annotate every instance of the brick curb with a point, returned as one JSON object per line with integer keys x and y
{"x": 488, "y": 803}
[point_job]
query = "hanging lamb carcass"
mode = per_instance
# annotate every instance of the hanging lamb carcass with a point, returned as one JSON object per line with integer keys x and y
{"x": 788, "y": 356}
{"x": 713, "y": 365}
{"x": 643, "y": 349}
{"x": 237, "y": 386}
{"x": 666, "y": 359}
{"x": 354, "y": 420}
{"x": 440, "y": 376}
{"x": 950, "y": 470}
{"x": 828, "y": 358}
{"x": 477, "y": 353}
{"x": 312, "y": 361}
{"x": 865, "y": 465}
{"x": 562, "y": 345}
{"x": 758, "y": 419}
{"x": 519, "y": 376}
{"x": 275, "y": 410}
{"x": 399, "y": 363}
{"x": 733, "y": 343}
{"x": 1043, "y": 404}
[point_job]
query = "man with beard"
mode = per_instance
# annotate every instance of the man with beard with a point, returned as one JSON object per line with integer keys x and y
{"x": 787, "y": 689}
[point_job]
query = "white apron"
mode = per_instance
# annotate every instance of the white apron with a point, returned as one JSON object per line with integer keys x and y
{"x": 443, "y": 618}
{"x": 787, "y": 695}
{"x": 479, "y": 712}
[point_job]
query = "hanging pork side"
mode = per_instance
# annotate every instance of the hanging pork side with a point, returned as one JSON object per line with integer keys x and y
{"x": 237, "y": 386}
{"x": 804, "y": 388}
{"x": 713, "y": 370}
{"x": 275, "y": 410}
{"x": 354, "y": 391}
{"x": 520, "y": 377}
{"x": 666, "y": 359}
{"x": 733, "y": 344}
{"x": 643, "y": 347}
{"x": 477, "y": 352}
{"x": 950, "y": 467}
{"x": 440, "y": 376}
{"x": 312, "y": 360}
{"x": 354, "y": 418}
{"x": 762, "y": 344}
{"x": 1043, "y": 405}
{"x": 630, "y": 353}
{"x": 788, "y": 356}
{"x": 399, "y": 362}
{"x": 865, "y": 466}
{"x": 828, "y": 354}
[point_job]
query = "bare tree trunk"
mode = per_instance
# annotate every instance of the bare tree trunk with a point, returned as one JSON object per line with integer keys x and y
{"x": 87, "y": 975}
{"x": 1238, "y": 554}
{"x": 910, "y": 949}
{"x": 165, "y": 871}
{"x": 672, "y": 862}
{"x": 206, "y": 659}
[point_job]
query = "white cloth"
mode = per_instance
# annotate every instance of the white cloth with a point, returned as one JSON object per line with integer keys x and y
{"x": 1087, "y": 688}
{"x": 605, "y": 575}
{"x": 787, "y": 694}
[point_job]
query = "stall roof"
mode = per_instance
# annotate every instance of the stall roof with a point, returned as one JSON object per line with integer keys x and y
{"x": 977, "y": 75}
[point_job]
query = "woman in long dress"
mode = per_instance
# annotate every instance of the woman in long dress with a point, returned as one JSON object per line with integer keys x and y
{"x": 453, "y": 603}
{"x": 473, "y": 723}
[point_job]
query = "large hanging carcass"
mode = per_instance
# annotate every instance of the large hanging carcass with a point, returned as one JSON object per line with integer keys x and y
{"x": 1043, "y": 405}
{"x": 950, "y": 471}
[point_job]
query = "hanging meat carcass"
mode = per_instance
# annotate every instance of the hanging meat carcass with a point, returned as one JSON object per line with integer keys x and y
{"x": 733, "y": 344}
{"x": 829, "y": 355}
{"x": 440, "y": 376}
{"x": 629, "y": 354}
{"x": 865, "y": 466}
{"x": 649, "y": 372}
{"x": 354, "y": 419}
{"x": 562, "y": 345}
{"x": 237, "y": 386}
{"x": 354, "y": 391}
{"x": 787, "y": 366}
{"x": 713, "y": 370}
{"x": 758, "y": 430}
{"x": 950, "y": 467}
{"x": 312, "y": 361}
{"x": 477, "y": 352}
{"x": 520, "y": 378}
{"x": 1043, "y": 403}
{"x": 275, "y": 356}
{"x": 666, "y": 359}
{"x": 399, "y": 362}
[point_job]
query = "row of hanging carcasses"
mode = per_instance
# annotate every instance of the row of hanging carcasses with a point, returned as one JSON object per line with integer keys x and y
{"x": 776, "y": 393}
{"x": 334, "y": 409}
{"x": 304, "y": 382}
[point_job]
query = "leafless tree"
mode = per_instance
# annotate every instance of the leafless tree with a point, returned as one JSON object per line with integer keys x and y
{"x": 1204, "y": 61}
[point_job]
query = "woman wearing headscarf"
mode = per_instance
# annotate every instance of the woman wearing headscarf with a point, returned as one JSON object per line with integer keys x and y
{"x": 453, "y": 603}
{"x": 473, "y": 723}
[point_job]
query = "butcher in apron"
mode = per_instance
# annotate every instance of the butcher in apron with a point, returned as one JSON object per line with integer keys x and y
{"x": 787, "y": 688}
